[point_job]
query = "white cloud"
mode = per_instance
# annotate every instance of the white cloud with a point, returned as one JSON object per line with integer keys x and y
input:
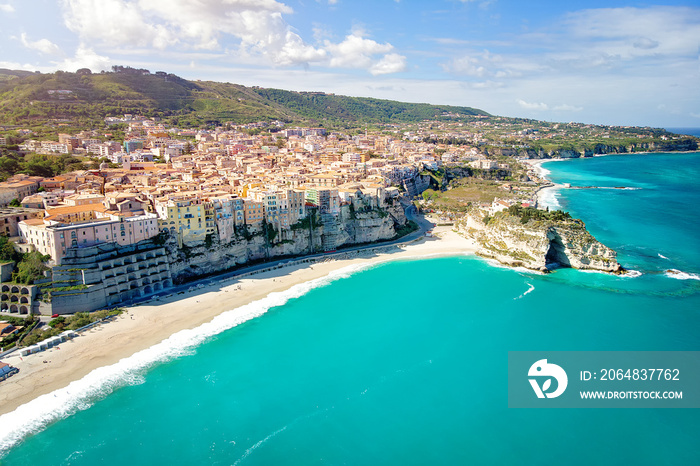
{"x": 257, "y": 24}
{"x": 469, "y": 66}
{"x": 488, "y": 65}
{"x": 356, "y": 51}
{"x": 114, "y": 22}
{"x": 7, "y": 8}
{"x": 257, "y": 28}
{"x": 567, "y": 108}
{"x": 43, "y": 46}
{"x": 533, "y": 105}
{"x": 391, "y": 63}
{"x": 624, "y": 41}
{"x": 636, "y": 32}
{"x": 10, "y": 65}
{"x": 85, "y": 57}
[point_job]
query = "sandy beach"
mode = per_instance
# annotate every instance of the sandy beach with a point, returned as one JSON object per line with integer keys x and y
{"x": 148, "y": 324}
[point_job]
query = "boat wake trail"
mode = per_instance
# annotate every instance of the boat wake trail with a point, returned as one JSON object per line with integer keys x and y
{"x": 530, "y": 290}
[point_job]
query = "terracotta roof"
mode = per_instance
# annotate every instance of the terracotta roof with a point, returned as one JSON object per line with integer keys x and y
{"x": 34, "y": 221}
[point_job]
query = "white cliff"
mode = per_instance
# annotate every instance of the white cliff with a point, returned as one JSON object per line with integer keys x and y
{"x": 537, "y": 244}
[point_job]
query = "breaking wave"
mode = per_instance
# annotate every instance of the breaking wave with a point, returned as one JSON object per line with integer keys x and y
{"x": 679, "y": 275}
{"x": 547, "y": 197}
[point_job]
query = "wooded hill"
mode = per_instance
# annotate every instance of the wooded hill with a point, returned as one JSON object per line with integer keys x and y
{"x": 83, "y": 99}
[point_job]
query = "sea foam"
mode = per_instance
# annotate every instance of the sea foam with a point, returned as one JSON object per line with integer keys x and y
{"x": 35, "y": 415}
{"x": 547, "y": 197}
{"x": 679, "y": 275}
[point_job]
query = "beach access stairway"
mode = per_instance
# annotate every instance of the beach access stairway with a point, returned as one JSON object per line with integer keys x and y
{"x": 331, "y": 232}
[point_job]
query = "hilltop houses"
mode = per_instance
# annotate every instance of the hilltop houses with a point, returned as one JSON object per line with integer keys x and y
{"x": 197, "y": 187}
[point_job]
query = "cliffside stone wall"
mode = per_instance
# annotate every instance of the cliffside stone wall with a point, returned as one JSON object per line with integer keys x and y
{"x": 107, "y": 275}
{"x": 323, "y": 233}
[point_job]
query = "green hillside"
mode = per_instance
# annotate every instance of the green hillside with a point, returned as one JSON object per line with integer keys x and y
{"x": 83, "y": 99}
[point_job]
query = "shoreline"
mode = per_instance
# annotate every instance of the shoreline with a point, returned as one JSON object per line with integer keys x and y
{"x": 547, "y": 186}
{"x": 148, "y": 324}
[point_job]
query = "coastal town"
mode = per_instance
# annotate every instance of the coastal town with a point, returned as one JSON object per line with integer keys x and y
{"x": 155, "y": 205}
{"x": 269, "y": 232}
{"x": 136, "y": 207}
{"x": 263, "y": 182}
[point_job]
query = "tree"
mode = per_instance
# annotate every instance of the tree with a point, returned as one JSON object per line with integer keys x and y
{"x": 7, "y": 251}
{"x": 59, "y": 322}
{"x": 79, "y": 319}
{"x": 31, "y": 268}
{"x": 15, "y": 203}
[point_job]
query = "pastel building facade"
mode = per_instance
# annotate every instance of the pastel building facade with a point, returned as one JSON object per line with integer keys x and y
{"x": 55, "y": 239}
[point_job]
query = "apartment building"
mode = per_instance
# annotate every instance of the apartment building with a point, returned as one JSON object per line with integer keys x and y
{"x": 11, "y": 217}
{"x": 55, "y": 239}
{"x": 192, "y": 219}
{"x": 253, "y": 212}
{"x": 326, "y": 199}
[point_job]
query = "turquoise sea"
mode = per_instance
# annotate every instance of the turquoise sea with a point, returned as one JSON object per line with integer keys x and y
{"x": 406, "y": 362}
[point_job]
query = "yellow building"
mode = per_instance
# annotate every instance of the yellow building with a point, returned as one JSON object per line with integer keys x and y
{"x": 191, "y": 219}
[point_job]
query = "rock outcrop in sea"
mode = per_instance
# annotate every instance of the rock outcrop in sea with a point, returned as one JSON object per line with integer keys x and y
{"x": 537, "y": 244}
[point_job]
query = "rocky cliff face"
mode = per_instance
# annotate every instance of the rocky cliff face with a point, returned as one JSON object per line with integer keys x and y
{"x": 351, "y": 226}
{"x": 681, "y": 145}
{"x": 538, "y": 245}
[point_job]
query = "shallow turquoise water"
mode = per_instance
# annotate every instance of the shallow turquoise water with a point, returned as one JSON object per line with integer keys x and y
{"x": 654, "y": 226}
{"x": 406, "y": 363}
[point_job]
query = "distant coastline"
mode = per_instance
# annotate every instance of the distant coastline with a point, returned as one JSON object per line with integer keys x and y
{"x": 688, "y": 131}
{"x": 549, "y": 188}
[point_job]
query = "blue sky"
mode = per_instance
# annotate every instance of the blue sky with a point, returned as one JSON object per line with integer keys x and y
{"x": 607, "y": 62}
